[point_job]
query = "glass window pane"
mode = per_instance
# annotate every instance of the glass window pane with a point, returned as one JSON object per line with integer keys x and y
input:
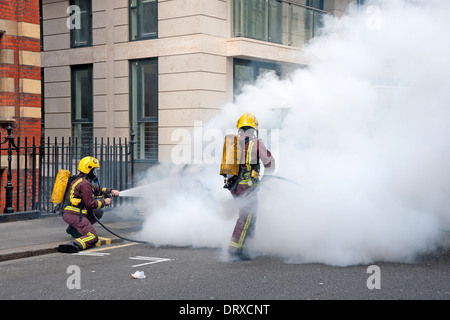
{"x": 300, "y": 32}
{"x": 133, "y": 91}
{"x": 243, "y": 74}
{"x": 82, "y": 36}
{"x": 143, "y": 19}
{"x": 308, "y": 26}
{"x": 150, "y": 91}
{"x": 317, "y": 22}
{"x": 264, "y": 70}
{"x": 275, "y": 21}
{"x": 247, "y": 71}
{"x": 238, "y": 17}
{"x": 255, "y": 19}
{"x": 148, "y": 18}
{"x": 318, "y": 4}
{"x": 82, "y": 123}
{"x": 285, "y": 16}
{"x": 81, "y": 94}
{"x": 144, "y": 108}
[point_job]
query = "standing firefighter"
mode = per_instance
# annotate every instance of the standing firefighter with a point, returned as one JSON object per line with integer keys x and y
{"x": 241, "y": 167}
{"x": 82, "y": 206}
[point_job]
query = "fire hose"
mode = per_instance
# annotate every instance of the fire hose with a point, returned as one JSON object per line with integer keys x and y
{"x": 268, "y": 176}
{"x": 109, "y": 195}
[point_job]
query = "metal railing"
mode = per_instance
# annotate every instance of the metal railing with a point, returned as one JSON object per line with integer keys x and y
{"x": 21, "y": 178}
{"x": 31, "y": 168}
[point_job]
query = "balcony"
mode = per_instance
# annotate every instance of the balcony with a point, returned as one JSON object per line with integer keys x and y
{"x": 275, "y": 21}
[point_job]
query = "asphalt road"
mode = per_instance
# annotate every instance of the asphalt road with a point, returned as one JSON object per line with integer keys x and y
{"x": 202, "y": 274}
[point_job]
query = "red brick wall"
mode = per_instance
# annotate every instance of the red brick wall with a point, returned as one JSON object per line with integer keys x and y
{"x": 23, "y": 127}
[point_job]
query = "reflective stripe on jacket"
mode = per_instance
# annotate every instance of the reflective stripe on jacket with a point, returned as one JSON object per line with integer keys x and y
{"x": 82, "y": 193}
{"x": 253, "y": 151}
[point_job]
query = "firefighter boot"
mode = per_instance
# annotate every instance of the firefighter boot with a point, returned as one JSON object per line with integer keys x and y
{"x": 70, "y": 247}
{"x": 73, "y": 232}
{"x": 237, "y": 255}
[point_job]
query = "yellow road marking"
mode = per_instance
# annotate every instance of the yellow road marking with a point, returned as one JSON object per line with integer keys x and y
{"x": 115, "y": 247}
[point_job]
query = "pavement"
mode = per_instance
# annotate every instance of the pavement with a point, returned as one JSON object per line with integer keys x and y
{"x": 27, "y": 237}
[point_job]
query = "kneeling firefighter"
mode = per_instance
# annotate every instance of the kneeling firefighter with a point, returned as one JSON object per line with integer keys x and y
{"x": 82, "y": 206}
{"x": 241, "y": 168}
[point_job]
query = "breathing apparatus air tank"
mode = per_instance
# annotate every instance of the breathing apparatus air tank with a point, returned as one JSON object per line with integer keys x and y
{"x": 59, "y": 189}
{"x": 231, "y": 156}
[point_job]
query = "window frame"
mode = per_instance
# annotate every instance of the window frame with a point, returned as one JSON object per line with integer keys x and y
{"x": 139, "y": 109}
{"x": 88, "y": 42}
{"x": 257, "y": 66}
{"x": 316, "y": 4}
{"x": 360, "y": 3}
{"x": 90, "y": 104}
{"x": 277, "y": 21}
{"x": 139, "y": 35}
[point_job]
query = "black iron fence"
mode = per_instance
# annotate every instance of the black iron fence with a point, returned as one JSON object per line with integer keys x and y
{"x": 19, "y": 159}
{"x": 29, "y": 168}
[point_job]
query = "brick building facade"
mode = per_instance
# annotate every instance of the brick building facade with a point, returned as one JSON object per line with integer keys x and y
{"x": 20, "y": 79}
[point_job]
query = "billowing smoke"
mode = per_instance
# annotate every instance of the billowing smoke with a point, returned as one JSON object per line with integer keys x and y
{"x": 363, "y": 131}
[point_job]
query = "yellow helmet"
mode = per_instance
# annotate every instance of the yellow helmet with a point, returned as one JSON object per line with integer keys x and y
{"x": 247, "y": 120}
{"x": 87, "y": 164}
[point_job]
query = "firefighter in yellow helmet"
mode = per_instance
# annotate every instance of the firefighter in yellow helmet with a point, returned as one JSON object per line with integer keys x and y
{"x": 244, "y": 186}
{"x": 82, "y": 206}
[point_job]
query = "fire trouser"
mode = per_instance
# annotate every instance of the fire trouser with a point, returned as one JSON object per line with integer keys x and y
{"x": 244, "y": 229}
{"x": 245, "y": 224}
{"x": 84, "y": 226}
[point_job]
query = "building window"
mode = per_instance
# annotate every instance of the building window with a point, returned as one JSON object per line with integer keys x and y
{"x": 277, "y": 21}
{"x": 360, "y": 3}
{"x": 317, "y": 4}
{"x": 144, "y": 108}
{"x": 143, "y": 19}
{"x": 81, "y": 27}
{"x": 250, "y": 19}
{"x": 247, "y": 71}
{"x": 82, "y": 114}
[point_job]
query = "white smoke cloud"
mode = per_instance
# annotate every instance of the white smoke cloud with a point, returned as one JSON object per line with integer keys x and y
{"x": 363, "y": 131}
